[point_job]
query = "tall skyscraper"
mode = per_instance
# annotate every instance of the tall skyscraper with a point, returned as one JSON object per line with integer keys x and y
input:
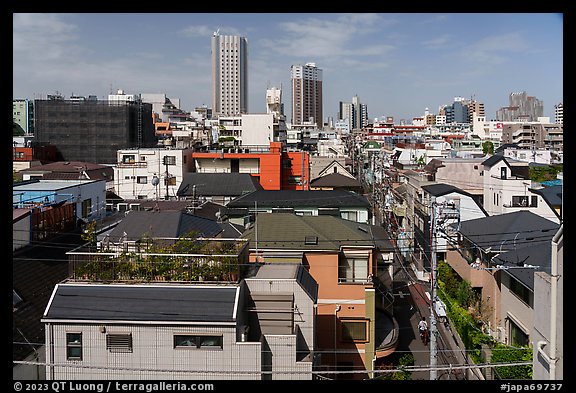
{"x": 229, "y": 75}
{"x": 522, "y": 107}
{"x": 307, "y": 94}
{"x": 559, "y": 113}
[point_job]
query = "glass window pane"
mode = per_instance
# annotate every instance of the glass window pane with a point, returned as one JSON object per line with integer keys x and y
{"x": 360, "y": 269}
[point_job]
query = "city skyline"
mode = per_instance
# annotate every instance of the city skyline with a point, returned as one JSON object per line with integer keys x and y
{"x": 397, "y": 64}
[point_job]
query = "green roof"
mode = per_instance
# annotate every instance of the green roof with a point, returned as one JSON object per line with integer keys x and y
{"x": 290, "y": 231}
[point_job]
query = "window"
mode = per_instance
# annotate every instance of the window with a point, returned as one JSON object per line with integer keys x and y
{"x": 86, "y": 207}
{"x": 197, "y": 341}
{"x": 169, "y": 160}
{"x": 354, "y": 330}
{"x": 352, "y": 216}
{"x": 119, "y": 343}
{"x": 520, "y": 290}
{"x": 517, "y": 335}
{"x": 170, "y": 181}
{"x": 353, "y": 269}
{"x": 520, "y": 201}
{"x": 74, "y": 346}
{"x": 141, "y": 179}
{"x": 128, "y": 159}
{"x": 294, "y": 179}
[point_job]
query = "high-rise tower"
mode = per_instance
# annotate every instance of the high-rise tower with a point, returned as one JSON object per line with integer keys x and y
{"x": 229, "y": 75}
{"x": 307, "y": 94}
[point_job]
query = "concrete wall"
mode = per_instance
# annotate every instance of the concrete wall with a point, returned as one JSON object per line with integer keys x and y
{"x": 153, "y": 351}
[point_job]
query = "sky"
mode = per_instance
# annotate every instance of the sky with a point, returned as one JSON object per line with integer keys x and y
{"x": 398, "y": 64}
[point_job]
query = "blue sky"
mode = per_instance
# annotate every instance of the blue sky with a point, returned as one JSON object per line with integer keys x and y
{"x": 397, "y": 64}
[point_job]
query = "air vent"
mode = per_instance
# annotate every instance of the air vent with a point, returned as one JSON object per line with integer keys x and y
{"x": 311, "y": 240}
{"x": 119, "y": 343}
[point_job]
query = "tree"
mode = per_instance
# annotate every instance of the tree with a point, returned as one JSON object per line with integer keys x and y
{"x": 487, "y": 147}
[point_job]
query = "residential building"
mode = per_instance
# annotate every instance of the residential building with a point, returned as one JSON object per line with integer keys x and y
{"x": 94, "y": 130}
{"x": 23, "y": 114}
{"x": 163, "y": 106}
{"x": 559, "y": 114}
{"x": 522, "y": 107}
{"x": 219, "y": 188}
{"x": 508, "y": 188}
{"x": 336, "y": 181}
{"x": 148, "y": 331}
{"x": 339, "y": 203}
{"x": 463, "y": 173}
{"x": 352, "y": 264}
{"x": 152, "y": 173}
{"x": 548, "y": 331}
{"x": 323, "y": 165}
{"x": 307, "y": 94}
{"x": 441, "y": 202}
{"x": 71, "y": 170}
{"x": 500, "y": 266}
{"x": 534, "y": 135}
{"x": 474, "y": 108}
{"x": 229, "y": 75}
{"x": 27, "y": 154}
{"x": 87, "y": 197}
{"x": 261, "y": 327}
{"x": 134, "y": 231}
{"x": 273, "y": 167}
{"x": 283, "y": 301}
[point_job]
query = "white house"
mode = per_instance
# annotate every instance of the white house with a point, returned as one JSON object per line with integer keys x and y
{"x": 89, "y": 196}
{"x": 151, "y": 173}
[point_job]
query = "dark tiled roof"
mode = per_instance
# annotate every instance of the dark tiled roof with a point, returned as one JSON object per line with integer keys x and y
{"x": 537, "y": 255}
{"x": 296, "y": 198}
{"x": 217, "y": 184}
{"x": 171, "y": 223}
{"x": 335, "y": 180}
{"x": 70, "y": 170}
{"x": 509, "y": 231}
{"x": 552, "y": 195}
{"x": 184, "y": 303}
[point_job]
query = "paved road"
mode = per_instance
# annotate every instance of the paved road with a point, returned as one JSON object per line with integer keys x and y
{"x": 411, "y": 304}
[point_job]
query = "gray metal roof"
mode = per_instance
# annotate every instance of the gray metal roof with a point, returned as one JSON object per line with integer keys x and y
{"x": 552, "y": 195}
{"x": 297, "y": 198}
{"x": 217, "y": 184}
{"x": 169, "y": 223}
{"x": 509, "y": 231}
{"x": 537, "y": 255}
{"x": 142, "y": 303}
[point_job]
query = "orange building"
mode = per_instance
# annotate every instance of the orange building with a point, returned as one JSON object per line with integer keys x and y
{"x": 351, "y": 262}
{"x": 275, "y": 168}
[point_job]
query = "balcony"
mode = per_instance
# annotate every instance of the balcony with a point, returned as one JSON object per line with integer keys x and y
{"x": 153, "y": 260}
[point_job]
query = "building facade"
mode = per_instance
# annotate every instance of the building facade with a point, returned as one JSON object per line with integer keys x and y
{"x": 229, "y": 75}
{"x": 150, "y": 173}
{"x": 521, "y": 107}
{"x": 93, "y": 130}
{"x": 23, "y": 114}
{"x": 306, "y": 94}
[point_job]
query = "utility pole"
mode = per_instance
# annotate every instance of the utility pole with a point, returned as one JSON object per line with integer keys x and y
{"x": 454, "y": 214}
{"x": 433, "y": 327}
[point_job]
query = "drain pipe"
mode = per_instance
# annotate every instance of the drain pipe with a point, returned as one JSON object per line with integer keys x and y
{"x": 552, "y": 359}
